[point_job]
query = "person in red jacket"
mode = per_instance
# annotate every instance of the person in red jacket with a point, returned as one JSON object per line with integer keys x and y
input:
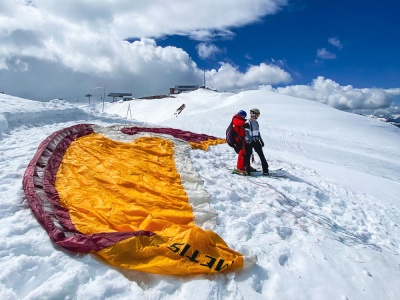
{"x": 238, "y": 125}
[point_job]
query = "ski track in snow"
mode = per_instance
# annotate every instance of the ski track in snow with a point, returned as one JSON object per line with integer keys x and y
{"x": 313, "y": 207}
{"x": 278, "y": 218}
{"x": 297, "y": 226}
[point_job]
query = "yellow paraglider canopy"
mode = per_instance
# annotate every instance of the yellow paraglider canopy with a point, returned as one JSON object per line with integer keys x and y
{"x": 125, "y": 202}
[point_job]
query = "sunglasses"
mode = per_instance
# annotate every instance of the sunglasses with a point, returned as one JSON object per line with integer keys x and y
{"x": 253, "y": 114}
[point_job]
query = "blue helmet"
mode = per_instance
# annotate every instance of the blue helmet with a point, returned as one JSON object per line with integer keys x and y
{"x": 242, "y": 113}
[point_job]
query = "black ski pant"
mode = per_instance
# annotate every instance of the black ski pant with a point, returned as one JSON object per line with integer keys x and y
{"x": 249, "y": 151}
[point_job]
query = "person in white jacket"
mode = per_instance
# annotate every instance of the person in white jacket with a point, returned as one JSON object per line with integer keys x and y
{"x": 253, "y": 140}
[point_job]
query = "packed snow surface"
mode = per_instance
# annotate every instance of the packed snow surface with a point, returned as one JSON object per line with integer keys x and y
{"x": 329, "y": 229}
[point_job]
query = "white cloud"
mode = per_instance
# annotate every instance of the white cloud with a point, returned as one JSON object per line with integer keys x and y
{"x": 394, "y": 91}
{"x": 209, "y": 35}
{"x": 325, "y": 54}
{"x": 342, "y": 97}
{"x": 124, "y": 18}
{"x": 207, "y": 50}
{"x": 21, "y": 65}
{"x": 86, "y": 38}
{"x": 335, "y": 42}
{"x": 228, "y": 77}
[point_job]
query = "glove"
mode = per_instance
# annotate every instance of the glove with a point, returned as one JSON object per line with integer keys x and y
{"x": 262, "y": 143}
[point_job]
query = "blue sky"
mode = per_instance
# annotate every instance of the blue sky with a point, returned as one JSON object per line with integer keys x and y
{"x": 368, "y": 32}
{"x": 342, "y": 53}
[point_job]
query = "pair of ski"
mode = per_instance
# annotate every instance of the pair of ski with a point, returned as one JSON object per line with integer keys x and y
{"x": 272, "y": 173}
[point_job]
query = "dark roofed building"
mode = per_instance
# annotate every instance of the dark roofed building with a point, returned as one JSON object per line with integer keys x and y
{"x": 183, "y": 88}
{"x": 119, "y": 95}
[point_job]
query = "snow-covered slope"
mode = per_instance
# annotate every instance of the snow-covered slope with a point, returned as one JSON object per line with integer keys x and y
{"x": 346, "y": 147}
{"x": 329, "y": 230}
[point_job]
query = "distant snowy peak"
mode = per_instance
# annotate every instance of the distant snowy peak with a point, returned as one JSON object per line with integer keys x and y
{"x": 392, "y": 119}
